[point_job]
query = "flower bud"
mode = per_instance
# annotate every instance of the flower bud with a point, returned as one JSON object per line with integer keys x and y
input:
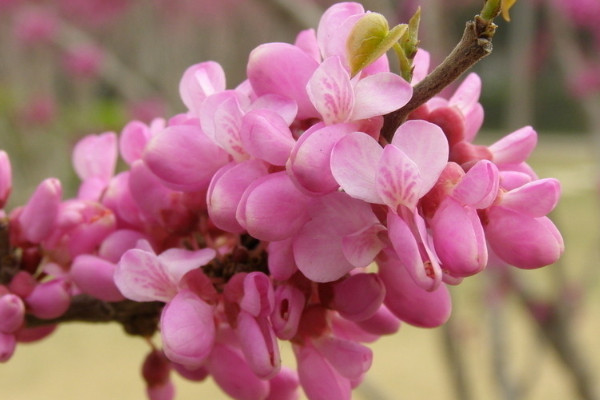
{"x": 12, "y": 313}
{"x": 49, "y": 299}
{"x": 7, "y": 346}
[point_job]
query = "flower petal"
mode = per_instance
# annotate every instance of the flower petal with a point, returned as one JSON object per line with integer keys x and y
{"x": 226, "y": 190}
{"x": 184, "y": 155}
{"x": 200, "y": 81}
{"x": 141, "y": 276}
{"x": 380, "y": 94}
{"x": 515, "y": 147}
{"x": 330, "y": 91}
{"x": 398, "y": 180}
{"x": 187, "y": 329}
{"x": 521, "y": 240}
{"x": 96, "y": 156}
{"x": 535, "y": 199}
{"x": 272, "y": 198}
{"x": 353, "y": 162}
{"x": 94, "y": 276}
{"x": 468, "y": 255}
{"x": 407, "y": 300}
{"x": 427, "y": 146}
{"x": 283, "y": 69}
{"x": 265, "y": 135}
{"x": 311, "y": 158}
{"x": 479, "y": 187}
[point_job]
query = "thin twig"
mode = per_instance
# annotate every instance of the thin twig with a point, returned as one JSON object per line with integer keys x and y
{"x": 475, "y": 44}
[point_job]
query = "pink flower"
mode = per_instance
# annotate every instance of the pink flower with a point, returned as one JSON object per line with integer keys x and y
{"x": 12, "y": 313}
{"x": 518, "y": 230}
{"x": 84, "y": 61}
{"x": 340, "y": 99}
{"x": 5, "y": 178}
{"x": 36, "y": 25}
{"x": 39, "y": 216}
{"x": 408, "y": 301}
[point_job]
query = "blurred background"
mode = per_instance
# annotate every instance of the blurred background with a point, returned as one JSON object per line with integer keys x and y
{"x": 74, "y": 67}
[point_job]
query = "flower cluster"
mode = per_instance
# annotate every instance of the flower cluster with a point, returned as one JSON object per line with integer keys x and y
{"x": 275, "y": 211}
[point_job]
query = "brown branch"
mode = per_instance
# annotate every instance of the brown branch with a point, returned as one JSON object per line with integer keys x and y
{"x": 475, "y": 44}
{"x": 137, "y": 318}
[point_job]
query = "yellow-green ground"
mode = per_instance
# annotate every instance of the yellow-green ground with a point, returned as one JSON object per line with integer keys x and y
{"x": 99, "y": 362}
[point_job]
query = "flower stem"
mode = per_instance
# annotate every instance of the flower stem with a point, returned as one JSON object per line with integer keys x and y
{"x": 475, "y": 44}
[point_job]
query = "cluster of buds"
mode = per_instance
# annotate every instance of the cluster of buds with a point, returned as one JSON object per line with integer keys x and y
{"x": 276, "y": 211}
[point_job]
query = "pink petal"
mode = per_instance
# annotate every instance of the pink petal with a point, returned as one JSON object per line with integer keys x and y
{"x": 406, "y": 246}
{"x": 318, "y": 252}
{"x": 91, "y": 189}
{"x": 281, "y": 259}
{"x": 141, "y": 276}
{"x": 521, "y": 240}
{"x": 94, "y": 276}
{"x": 49, "y": 299}
{"x": 467, "y": 94}
{"x": 12, "y": 313}
{"x": 283, "y": 69}
{"x": 200, "y": 81}
{"x": 118, "y": 198}
{"x": 226, "y": 189}
{"x": 360, "y": 248}
{"x": 307, "y": 41}
{"x": 179, "y": 262}
{"x": 5, "y": 178}
{"x": 383, "y": 322}
{"x": 473, "y": 122}
{"x": 265, "y": 135}
{"x": 8, "y": 344}
{"x": 183, "y": 155}
{"x": 535, "y": 199}
{"x": 148, "y": 193}
{"x": 239, "y": 382}
{"x": 421, "y": 66}
{"x": 286, "y": 108}
{"x": 259, "y": 345}
{"x": 468, "y": 255}
{"x": 408, "y": 301}
{"x": 132, "y": 142}
{"x": 349, "y": 358}
{"x": 353, "y": 162}
{"x": 187, "y": 329}
{"x": 380, "y": 94}
{"x": 515, "y": 147}
{"x": 358, "y": 297}
{"x": 289, "y": 304}
{"x": 330, "y": 91}
{"x": 272, "y": 198}
{"x": 510, "y": 180}
{"x": 398, "y": 180}
{"x": 479, "y": 187}
{"x": 117, "y": 243}
{"x": 343, "y": 213}
{"x": 96, "y": 156}
{"x": 284, "y": 386}
{"x": 319, "y": 380}
{"x": 318, "y": 246}
{"x": 39, "y": 215}
{"x": 311, "y": 157}
{"x": 427, "y": 146}
{"x": 221, "y": 119}
{"x": 258, "y": 298}
{"x": 332, "y": 32}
